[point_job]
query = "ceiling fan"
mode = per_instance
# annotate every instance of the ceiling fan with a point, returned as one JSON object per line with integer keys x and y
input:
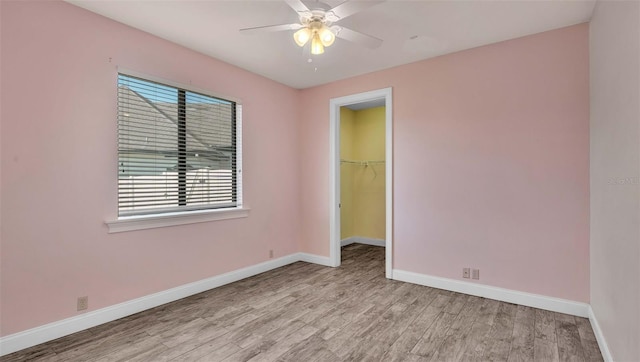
{"x": 317, "y": 24}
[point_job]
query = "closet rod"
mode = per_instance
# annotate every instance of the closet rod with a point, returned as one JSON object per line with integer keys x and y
{"x": 362, "y": 163}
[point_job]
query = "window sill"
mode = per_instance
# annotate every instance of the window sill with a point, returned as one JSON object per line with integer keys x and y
{"x": 131, "y": 223}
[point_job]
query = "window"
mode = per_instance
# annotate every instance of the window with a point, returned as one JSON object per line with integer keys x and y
{"x": 178, "y": 150}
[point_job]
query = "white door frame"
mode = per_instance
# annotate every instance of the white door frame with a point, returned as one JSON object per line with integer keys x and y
{"x": 334, "y": 172}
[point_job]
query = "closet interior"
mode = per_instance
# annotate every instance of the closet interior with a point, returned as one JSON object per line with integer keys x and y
{"x": 362, "y": 175}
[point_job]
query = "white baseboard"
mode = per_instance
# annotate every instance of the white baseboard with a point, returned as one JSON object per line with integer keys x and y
{"x": 602, "y": 343}
{"x": 505, "y": 295}
{"x": 51, "y": 331}
{"x": 315, "y": 259}
{"x": 362, "y": 240}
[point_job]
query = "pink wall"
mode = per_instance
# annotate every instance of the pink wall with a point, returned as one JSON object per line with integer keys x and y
{"x": 58, "y": 148}
{"x": 491, "y": 163}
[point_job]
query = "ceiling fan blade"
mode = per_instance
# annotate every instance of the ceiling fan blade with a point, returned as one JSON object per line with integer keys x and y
{"x": 359, "y": 38}
{"x": 297, "y": 5}
{"x": 349, "y": 8}
{"x": 268, "y": 28}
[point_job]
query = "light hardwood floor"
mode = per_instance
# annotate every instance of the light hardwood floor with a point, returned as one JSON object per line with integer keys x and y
{"x": 306, "y": 312}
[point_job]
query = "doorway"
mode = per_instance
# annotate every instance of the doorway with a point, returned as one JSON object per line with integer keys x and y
{"x": 376, "y": 97}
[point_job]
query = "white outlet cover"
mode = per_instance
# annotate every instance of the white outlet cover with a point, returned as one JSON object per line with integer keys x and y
{"x": 475, "y": 274}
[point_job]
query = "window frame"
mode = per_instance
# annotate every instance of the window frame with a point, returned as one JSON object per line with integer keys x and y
{"x": 150, "y": 219}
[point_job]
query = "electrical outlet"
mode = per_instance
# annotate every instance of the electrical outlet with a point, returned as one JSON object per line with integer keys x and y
{"x": 465, "y": 272}
{"x": 271, "y": 254}
{"x": 475, "y": 274}
{"x": 83, "y": 303}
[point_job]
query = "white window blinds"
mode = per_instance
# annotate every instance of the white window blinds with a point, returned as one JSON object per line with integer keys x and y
{"x": 177, "y": 149}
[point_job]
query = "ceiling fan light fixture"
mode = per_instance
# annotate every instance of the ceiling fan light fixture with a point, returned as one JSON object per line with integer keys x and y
{"x": 316, "y": 45}
{"x": 316, "y": 24}
{"x": 301, "y": 37}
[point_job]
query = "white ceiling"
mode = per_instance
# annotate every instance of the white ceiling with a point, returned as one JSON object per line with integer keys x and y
{"x": 441, "y": 27}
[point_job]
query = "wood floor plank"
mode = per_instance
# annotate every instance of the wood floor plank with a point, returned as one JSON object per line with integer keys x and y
{"x": 434, "y": 336}
{"x": 487, "y": 312}
{"x": 98, "y": 348}
{"x": 591, "y": 351}
{"x": 364, "y": 349}
{"x": 569, "y": 344}
{"x": 323, "y": 355}
{"x": 545, "y": 325}
{"x": 36, "y": 353}
{"x": 384, "y": 322}
{"x": 545, "y": 351}
{"x": 394, "y": 328}
{"x": 380, "y": 336}
{"x": 466, "y": 316}
{"x": 455, "y": 344}
{"x": 408, "y": 340}
{"x": 196, "y": 347}
{"x": 285, "y": 344}
{"x": 306, "y": 351}
{"x": 415, "y": 358}
{"x": 251, "y": 351}
{"x": 307, "y": 312}
{"x": 588, "y": 340}
{"x": 187, "y": 332}
{"x": 498, "y": 342}
{"x": 139, "y": 350}
{"x": 457, "y": 303}
{"x": 475, "y": 344}
{"x": 217, "y": 354}
{"x": 340, "y": 316}
{"x": 342, "y": 342}
{"x": 523, "y": 335}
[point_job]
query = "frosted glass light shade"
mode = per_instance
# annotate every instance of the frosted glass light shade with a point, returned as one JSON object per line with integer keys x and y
{"x": 326, "y": 36}
{"x": 316, "y": 45}
{"x": 301, "y": 37}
